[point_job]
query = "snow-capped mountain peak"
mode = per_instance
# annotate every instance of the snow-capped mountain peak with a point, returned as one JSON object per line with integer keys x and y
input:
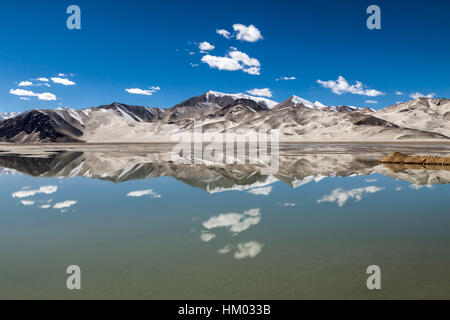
{"x": 8, "y": 115}
{"x": 307, "y": 103}
{"x": 267, "y": 102}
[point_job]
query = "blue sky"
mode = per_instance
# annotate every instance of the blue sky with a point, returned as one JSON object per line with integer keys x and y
{"x": 143, "y": 44}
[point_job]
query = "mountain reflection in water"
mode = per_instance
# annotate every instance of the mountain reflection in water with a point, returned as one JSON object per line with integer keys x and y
{"x": 297, "y": 166}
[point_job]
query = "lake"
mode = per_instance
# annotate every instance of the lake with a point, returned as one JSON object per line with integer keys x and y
{"x": 140, "y": 226}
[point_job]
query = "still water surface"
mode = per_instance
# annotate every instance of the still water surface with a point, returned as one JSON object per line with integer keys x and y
{"x": 142, "y": 227}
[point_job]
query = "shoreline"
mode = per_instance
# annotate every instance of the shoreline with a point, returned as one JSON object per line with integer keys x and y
{"x": 286, "y": 142}
{"x": 376, "y": 149}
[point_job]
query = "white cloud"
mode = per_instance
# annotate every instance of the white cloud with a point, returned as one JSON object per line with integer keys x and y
{"x": 30, "y": 193}
{"x": 285, "y": 78}
{"x": 247, "y": 33}
{"x": 265, "y": 191}
{"x": 248, "y": 250}
{"x": 371, "y": 101}
{"x": 193, "y": 65}
{"x": 399, "y": 93}
{"x": 225, "y": 249}
{"x": 419, "y": 186}
{"x": 146, "y": 92}
{"x": 416, "y": 95}
{"x": 27, "y": 202}
{"x": 224, "y": 33}
{"x": 24, "y": 98}
{"x": 244, "y": 58}
{"x": 341, "y": 86}
{"x": 289, "y": 204}
{"x": 43, "y": 79}
{"x": 25, "y": 83}
{"x": 206, "y": 237}
{"x": 236, "y": 222}
{"x": 233, "y": 61}
{"x": 256, "y": 212}
{"x": 341, "y": 196}
{"x": 63, "y": 81}
{"x": 205, "y": 46}
{"x": 222, "y": 63}
{"x": 45, "y": 206}
{"x": 252, "y": 70}
{"x": 265, "y": 92}
{"x": 141, "y": 193}
{"x": 47, "y": 96}
{"x": 64, "y": 204}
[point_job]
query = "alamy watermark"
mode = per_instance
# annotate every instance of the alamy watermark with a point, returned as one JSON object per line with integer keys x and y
{"x": 74, "y": 20}
{"x": 374, "y": 280}
{"x": 254, "y": 147}
{"x": 74, "y": 280}
{"x": 374, "y": 20}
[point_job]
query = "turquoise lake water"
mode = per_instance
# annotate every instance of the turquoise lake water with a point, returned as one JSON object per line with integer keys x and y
{"x": 180, "y": 233}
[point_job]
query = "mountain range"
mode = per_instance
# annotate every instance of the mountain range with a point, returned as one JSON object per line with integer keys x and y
{"x": 297, "y": 119}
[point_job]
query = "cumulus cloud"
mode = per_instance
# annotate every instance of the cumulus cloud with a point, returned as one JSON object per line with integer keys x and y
{"x": 224, "y": 33}
{"x": 341, "y": 196}
{"x": 206, "y": 237}
{"x": 64, "y": 204}
{"x": 341, "y": 86}
{"x": 247, "y": 33}
{"x": 30, "y": 193}
{"x": 265, "y": 191}
{"x": 222, "y": 63}
{"x": 47, "y": 96}
{"x": 25, "y": 83}
{"x": 63, "y": 81}
{"x": 248, "y": 250}
{"x": 233, "y": 61}
{"x": 27, "y": 202}
{"x": 206, "y": 46}
{"x": 285, "y": 78}
{"x": 225, "y": 249}
{"x": 416, "y": 95}
{"x": 235, "y": 222}
{"x": 141, "y": 193}
{"x": 43, "y": 79}
{"x": 265, "y": 92}
{"x": 146, "y": 92}
{"x": 371, "y": 101}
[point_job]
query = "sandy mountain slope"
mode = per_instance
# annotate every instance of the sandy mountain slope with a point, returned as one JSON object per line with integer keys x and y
{"x": 296, "y": 119}
{"x": 421, "y": 114}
